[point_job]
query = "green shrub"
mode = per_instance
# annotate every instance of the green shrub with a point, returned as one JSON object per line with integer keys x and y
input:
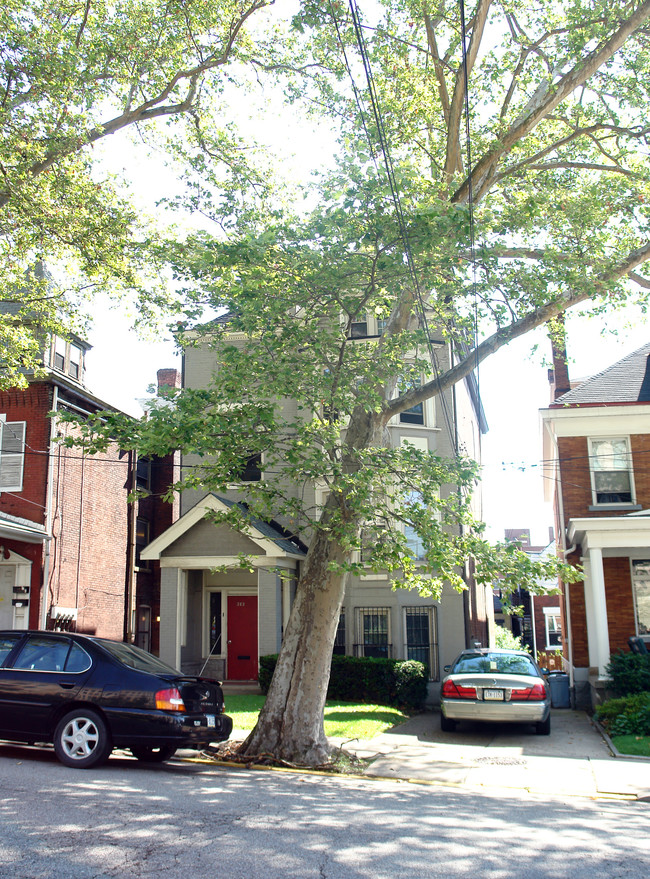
{"x": 627, "y": 715}
{"x": 629, "y": 672}
{"x": 372, "y": 681}
{"x": 504, "y": 639}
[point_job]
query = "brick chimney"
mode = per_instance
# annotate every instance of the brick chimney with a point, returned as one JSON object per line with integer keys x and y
{"x": 169, "y": 378}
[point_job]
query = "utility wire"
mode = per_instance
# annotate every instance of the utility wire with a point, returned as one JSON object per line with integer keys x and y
{"x": 392, "y": 182}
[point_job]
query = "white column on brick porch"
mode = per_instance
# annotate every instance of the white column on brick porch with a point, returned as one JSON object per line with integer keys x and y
{"x": 596, "y": 609}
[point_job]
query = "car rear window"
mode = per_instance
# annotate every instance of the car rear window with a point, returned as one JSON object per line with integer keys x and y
{"x": 488, "y": 663}
{"x": 135, "y": 658}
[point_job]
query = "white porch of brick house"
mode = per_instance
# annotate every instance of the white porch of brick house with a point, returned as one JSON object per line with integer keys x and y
{"x": 199, "y": 559}
{"x": 600, "y": 538}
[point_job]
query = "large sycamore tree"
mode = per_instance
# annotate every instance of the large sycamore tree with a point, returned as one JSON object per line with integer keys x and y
{"x": 74, "y": 75}
{"x": 548, "y": 213}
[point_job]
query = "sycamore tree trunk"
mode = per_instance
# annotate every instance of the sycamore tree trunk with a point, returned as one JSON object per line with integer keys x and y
{"x": 290, "y": 725}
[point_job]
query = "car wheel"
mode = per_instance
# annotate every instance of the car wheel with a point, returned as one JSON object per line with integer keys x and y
{"x": 82, "y": 740}
{"x": 447, "y": 725}
{"x": 153, "y": 755}
{"x": 543, "y": 728}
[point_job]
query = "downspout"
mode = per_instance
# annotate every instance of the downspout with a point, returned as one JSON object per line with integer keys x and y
{"x": 129, "y": 604}
{"x": 48, "y": 511}
{"x": 566, "y": 550}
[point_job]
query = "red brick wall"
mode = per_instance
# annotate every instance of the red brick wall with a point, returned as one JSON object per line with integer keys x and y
{"x": 31, "y": 406}
{"x": 620, "y": 602}
{"x": 90, "y": 528}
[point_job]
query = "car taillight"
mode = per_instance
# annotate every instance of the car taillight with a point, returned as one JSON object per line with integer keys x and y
{"x": 170, "y": 700}
{"x": 536, "y": 693}
{"x": 456, "y": 691}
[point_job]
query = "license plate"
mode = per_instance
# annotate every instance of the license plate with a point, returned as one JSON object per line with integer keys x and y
{"x": 494, "y": 695}
{"x": 209, "y": 719}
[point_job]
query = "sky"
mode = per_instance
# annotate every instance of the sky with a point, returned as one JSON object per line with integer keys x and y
{"x": 513, "y": 383}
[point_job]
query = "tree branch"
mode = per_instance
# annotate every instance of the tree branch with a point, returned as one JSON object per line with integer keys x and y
{"x": 482, "y": 174}
{"x": 504, "y": 335}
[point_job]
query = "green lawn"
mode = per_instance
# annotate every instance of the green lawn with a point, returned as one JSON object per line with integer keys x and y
{"x": 636, "y": 746}
{"x": 342, "y": 719}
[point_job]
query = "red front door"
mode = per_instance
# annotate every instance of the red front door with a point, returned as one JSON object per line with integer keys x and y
{"x": 242, "y": 638}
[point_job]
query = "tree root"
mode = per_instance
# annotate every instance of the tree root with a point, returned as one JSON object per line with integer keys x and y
{"x": 342, "y": 762}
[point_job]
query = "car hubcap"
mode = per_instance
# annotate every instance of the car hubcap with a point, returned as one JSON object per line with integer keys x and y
{"x": 79, "y": 738}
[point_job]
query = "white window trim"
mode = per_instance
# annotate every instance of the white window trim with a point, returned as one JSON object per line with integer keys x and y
{"x": 12, "y": 461}
{"x": 592, "y": 471}
{"x": 551, "y": 612}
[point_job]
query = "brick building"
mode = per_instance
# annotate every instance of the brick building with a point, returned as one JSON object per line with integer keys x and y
{"x": 597, "y": 436}
{"x": 69, "y": 537}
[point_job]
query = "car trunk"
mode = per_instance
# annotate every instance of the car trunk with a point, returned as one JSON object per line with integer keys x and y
{"x": 200, "y": 695}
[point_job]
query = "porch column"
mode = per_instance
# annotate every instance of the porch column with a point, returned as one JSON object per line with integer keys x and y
{"x": 171, "y": 606}
{"x": 596, "y": 607}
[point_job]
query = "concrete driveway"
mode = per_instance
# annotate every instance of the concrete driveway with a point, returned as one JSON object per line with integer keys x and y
{"x": 574, "y": 760}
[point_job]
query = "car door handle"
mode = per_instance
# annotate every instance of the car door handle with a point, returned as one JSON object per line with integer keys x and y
{"x": 65, "y": 685}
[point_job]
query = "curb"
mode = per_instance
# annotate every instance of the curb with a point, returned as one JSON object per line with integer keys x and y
{"x": 612, "y": 747}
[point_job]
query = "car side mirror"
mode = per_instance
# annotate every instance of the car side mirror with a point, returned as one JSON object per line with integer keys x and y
{"x": 447, "y": 668}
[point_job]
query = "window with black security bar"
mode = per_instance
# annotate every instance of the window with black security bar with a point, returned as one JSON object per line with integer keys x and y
{"x": 373, "y": 632}
{"x": 339, "y": 640}
{"x": 421, "y": 638}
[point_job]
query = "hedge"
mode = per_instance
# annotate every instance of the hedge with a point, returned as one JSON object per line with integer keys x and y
{"x": 399, "y": 682}
{"x": 629, "y": 672}
{"x": 627, "y": 715}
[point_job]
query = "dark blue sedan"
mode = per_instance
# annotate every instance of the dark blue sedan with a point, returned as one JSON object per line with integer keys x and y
{"x": 89, "y": 695}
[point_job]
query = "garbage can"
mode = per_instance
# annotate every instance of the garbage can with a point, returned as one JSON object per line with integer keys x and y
{"x": 559, "y": 684}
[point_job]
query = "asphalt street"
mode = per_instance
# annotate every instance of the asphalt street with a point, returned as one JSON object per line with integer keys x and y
{"x": 184, "y": 820}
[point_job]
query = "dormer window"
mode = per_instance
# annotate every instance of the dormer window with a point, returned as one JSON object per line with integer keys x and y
{"x": 67, "y": 357}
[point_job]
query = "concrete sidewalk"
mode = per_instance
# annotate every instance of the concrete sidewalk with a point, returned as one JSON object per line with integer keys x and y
{"x": 574, "y": 760}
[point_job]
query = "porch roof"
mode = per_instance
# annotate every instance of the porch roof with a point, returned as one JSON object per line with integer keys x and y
{"x": 629, "y": 532}
{"x": 265, "y": 535}
{"x": 15, "y": 528}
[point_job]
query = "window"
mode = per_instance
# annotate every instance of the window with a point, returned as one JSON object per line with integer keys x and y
{"x": 67, "y": 357}
{"x": 252, "y": 469}
{"x": 75, "y": 362}
{"x": 553, "y": 627}
{"x": 414, "y": 415}
{"x": 59, "y": 353}
{"x": 215, "y": 623}
{"x": 143, "y": 474}
{"x": 141, "y": 540}
{"x": 414, "y": 542}
{"x": 373, "y": 632}
{"x": 641, "y": 587}
{"x": 382, "y": 323}
{"x": 12, "y": 454}
{"x": 420, "y": 637}
{"x": 339, "y": 640}
{"x": 359, "y": 329}
{"x": 611, "y": 471}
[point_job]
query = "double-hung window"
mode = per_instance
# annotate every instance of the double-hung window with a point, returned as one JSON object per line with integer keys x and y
{"x": 373, "y": 632}
{"x": 611, "y": 471}
{"x": 641, "y": 587}
{"x": 12, "y": 454}
{"x": 553, "y": 627}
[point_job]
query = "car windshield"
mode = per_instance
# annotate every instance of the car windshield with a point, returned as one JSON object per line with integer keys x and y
{"x": 135, "y": 658}
{"x": 491, "y": 663}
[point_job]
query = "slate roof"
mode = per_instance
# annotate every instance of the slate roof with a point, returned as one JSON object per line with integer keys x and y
{"x": 627, "y": 381}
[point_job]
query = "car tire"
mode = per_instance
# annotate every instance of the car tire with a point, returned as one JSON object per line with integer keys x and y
{"x": 543, "y": 728}
{"x": 447, "y": 725}
{"x": 82, "y": 739}
{"x": 148, "y": 754}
